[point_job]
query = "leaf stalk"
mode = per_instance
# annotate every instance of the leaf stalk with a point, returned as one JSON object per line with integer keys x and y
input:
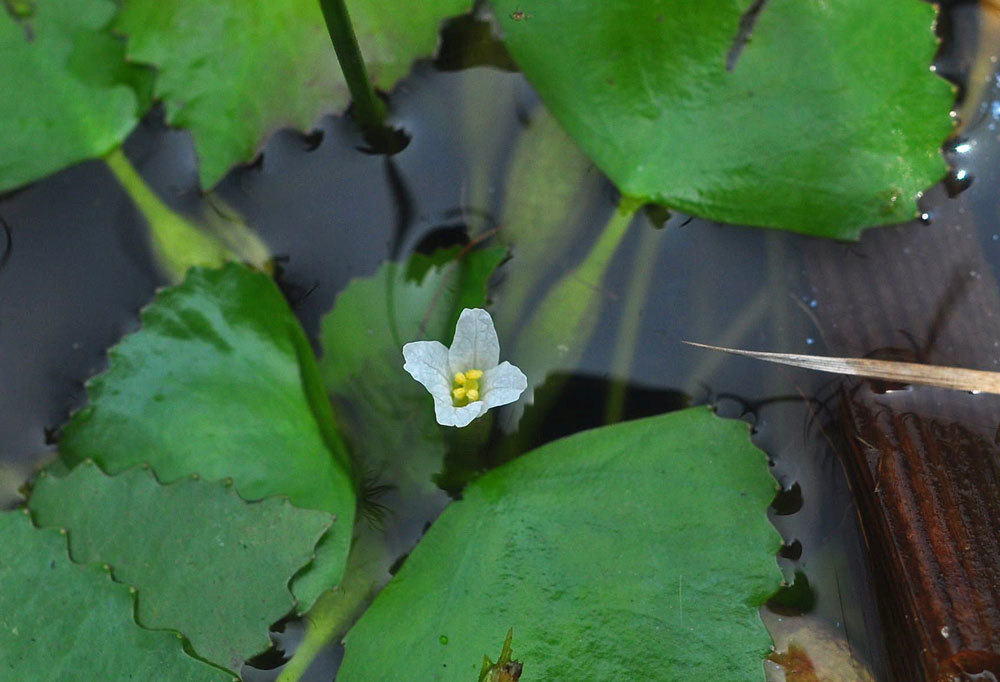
{"x": 369, "y": 110}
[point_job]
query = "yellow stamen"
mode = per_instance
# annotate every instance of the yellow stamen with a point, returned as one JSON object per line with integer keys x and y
{"x": 465, "y": 390}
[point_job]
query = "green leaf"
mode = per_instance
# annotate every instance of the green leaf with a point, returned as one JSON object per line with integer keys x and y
{"x": 393, "y": 33}
{"x": 639, "y": 551}
{"x": 61, "y": 622}
{"x": 387, "y": 417}
{"x": 69, "y": 94}
{"x": 205, "y": 562}
{"x": 233, "y": 71}
{"x": 221, "y": 382}
{"x": 828, "y": 121}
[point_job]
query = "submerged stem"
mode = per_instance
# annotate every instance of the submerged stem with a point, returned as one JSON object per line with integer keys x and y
{"x": 178, "y": 244}
{"x": 368, "y": 109}
{"x": 627, "y": 338}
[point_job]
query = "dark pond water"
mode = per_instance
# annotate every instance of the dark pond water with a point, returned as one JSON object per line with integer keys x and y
{"x": 76, "y": 267}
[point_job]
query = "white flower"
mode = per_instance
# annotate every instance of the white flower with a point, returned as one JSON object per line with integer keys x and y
{"x": 466, "y": 379}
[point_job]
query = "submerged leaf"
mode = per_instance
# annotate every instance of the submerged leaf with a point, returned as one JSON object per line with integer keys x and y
{"x": 205, "y": 563}
{"x": 233, "y": 71}
{"x": 62, "y": 622}
{"x": 816, "y": 117}
{"x": 68, "y": 93}
{"x": 221, "y": 381}
{"x": 555, "y": 210}
{"x": 640, "y": 551}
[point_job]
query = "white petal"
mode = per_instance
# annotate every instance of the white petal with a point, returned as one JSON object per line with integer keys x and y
{"x": 475, "y": 345}
{"x": 427, "y": 362}
{"x": 503, "y": 384}
{"x": 449, "y": 415}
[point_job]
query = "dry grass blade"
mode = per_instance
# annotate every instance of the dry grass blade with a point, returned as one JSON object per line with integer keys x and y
{"x": 903, "y": 372}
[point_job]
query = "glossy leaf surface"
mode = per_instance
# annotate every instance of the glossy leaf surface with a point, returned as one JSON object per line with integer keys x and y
{"x": 68, "y": 94}
{"x": 220, "y": 381}
{"x": 638, "y": 551}
{"x": 817, "y": 117}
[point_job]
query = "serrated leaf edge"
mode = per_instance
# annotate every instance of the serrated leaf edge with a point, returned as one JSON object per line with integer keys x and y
{"x": 96, "y": 567}
{"x": 228, "y": 487}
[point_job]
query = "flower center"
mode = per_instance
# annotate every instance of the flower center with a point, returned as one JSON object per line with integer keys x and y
{"x": 465, "y": 388}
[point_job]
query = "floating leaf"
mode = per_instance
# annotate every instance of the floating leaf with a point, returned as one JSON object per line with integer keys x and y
{"x": 61, "y": 622}
{"x": 205, "y": 562}
{"x": 639, "y": 551}
{"x": 817, "y": 117}
{"x": 69, "y": 93}
{"x": 221, "y": 382}
{"x": 232, "y": 71}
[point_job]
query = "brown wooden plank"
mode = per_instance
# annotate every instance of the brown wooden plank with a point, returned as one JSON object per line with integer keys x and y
{"x": 924, "y": 464}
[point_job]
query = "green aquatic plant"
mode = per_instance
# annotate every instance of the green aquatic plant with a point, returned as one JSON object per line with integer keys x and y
{"x": 603, "y": 553}
{"x": 820, "y": 118}
{"x": 221, "y": 382}
{"x": 222, "y": 471}
{"x": 816, "y": 117}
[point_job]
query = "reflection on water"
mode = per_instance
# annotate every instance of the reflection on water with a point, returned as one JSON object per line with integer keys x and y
{"x": 79, "y": 270}
{"x": 77, "y": 273}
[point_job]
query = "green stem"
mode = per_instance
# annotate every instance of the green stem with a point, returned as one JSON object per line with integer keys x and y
{"x": 560, "y": 328}
{"x": 177, "y": 243}
{"x": 338, "y": 609}
{"x": 368, "y": 109}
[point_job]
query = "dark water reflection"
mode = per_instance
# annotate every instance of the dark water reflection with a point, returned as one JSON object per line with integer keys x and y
{"x": 77, "y": 270}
